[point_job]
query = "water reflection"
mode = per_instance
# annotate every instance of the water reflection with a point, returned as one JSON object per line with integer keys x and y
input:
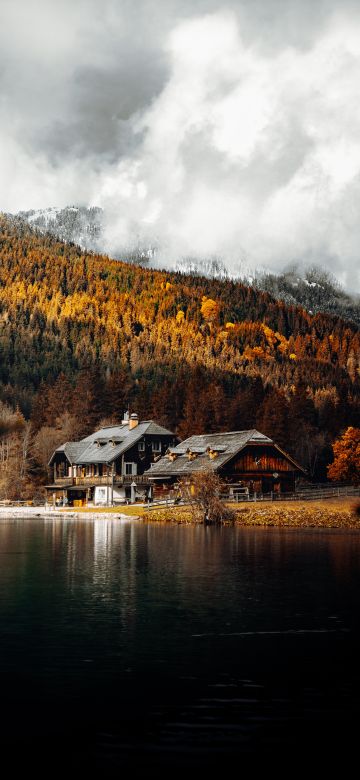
{"x": 161, "y": 636}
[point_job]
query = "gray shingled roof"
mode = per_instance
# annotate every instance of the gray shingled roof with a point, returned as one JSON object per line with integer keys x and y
{"x": 72, "y": 450}
{"x": 227, "y": 444}
{"x": 88, "y": 451}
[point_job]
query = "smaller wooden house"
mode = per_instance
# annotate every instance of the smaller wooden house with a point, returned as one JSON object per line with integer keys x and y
{"x": 247, "y": 461}
{"x": 108, "y": 466}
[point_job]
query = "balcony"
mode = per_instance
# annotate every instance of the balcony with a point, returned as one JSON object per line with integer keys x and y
{"x": 139, "y": 479}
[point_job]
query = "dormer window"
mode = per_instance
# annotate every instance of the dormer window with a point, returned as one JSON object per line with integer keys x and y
{"x": 215, "y": 450}
{"x": 101, "y": 442}
{"x": 115, "y": 441}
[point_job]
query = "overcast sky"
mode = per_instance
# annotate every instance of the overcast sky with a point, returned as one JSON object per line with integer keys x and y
{"x": 208, "y": 128}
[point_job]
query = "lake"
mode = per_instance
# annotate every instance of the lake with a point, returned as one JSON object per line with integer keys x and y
{"x": 133, "y": 645}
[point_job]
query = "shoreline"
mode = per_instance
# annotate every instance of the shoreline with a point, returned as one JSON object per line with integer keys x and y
{"x": 329, "y": 513}
{"x": 61, "y": 514}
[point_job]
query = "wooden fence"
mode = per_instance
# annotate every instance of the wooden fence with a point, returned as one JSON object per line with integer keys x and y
{"x": 313, "y": 493}
{"x": 307, "y": 494}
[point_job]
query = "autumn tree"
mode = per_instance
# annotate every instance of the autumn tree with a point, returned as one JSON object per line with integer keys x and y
{"x": 203, "y": 493}
{"x": 48, "y": 438}
{"x": 88, "y": 405}
{"x": 15, "y": 459}
{"x": 346, "y": 464}
{"x": 273, "y": 418}
{"x": 209, "y": 309}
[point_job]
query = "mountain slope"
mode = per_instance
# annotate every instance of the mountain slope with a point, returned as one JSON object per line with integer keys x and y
{"x": 313, "y": 289}
{"x": 195, "y": 353}
{"x": 80, "y": 225}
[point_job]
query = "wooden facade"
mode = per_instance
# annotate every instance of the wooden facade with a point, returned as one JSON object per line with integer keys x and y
{"x": 261, "y": 470}
{"x": 246, "y": 461}
{"x": 108, "y": 467}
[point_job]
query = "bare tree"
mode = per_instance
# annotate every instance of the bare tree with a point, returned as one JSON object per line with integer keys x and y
{"x": 203, "y": 493}
{"x": 49, "y": 438}
{"x": 15, "y": 461}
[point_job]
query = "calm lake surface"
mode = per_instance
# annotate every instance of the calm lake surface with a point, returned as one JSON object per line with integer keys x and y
{"x": 124, "y": 644}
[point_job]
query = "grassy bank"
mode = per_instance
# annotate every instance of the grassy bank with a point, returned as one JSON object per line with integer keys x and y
{"x": 332, "y": 513}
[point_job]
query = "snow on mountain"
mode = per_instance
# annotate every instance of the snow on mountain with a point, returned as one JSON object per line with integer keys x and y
{"x": 313, "y": 288}
{"x": 77, "y": 224}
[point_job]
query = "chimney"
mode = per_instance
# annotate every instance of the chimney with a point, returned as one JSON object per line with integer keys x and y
{"x": 125, "y": 419}
{"x": 133, "y": 422}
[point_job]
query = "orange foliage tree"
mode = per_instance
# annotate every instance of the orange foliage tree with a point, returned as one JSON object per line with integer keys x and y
{"x": 209, "y": 309}
{"x": 346, "y": 465}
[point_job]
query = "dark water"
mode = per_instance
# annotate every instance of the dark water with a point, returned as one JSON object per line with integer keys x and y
{"x": 126, "y": 645}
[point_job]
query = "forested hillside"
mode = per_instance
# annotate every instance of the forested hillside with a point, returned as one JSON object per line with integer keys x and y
{"x": 313, "y": 288}
{"x": 82, "y": 337}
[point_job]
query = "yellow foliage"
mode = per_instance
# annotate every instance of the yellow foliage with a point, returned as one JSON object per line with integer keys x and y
{"x": 230, "y": 325}
{"x": 270, "y": 335}
{"x": 250, "y": 353}
{"x": 209, "y": 309}
{"x": 180, "y": 317}
{"x": 292, "y": 356}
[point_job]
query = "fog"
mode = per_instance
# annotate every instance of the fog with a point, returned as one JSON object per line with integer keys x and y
{"x": 202, "y": 128}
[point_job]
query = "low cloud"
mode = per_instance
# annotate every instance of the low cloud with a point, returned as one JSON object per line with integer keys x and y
{"x": 219, "y": 132}
{"x": 254, "y": 158}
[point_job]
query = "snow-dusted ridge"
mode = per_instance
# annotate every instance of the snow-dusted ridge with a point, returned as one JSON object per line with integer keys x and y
{"x": 313, "y": 288}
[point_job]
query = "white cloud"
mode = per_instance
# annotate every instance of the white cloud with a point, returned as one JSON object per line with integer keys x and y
{"x": 247, "y": 153}
{"x": 233, "y": 132}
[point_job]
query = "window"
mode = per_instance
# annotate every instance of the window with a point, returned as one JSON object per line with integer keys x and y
{"x": 141, "y": 446}
{"x": 156, "y": 446}
{"x": 130, "y": 469}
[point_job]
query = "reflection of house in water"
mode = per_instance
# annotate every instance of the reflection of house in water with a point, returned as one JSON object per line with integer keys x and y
{"x": 108, "y": 466}
{"x": 116, "y": 548}
{"x": 247, "y": 461}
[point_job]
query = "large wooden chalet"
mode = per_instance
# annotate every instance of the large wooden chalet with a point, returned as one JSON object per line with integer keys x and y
{"x": 108, "y": 466}
{"x": 247, "y": 461}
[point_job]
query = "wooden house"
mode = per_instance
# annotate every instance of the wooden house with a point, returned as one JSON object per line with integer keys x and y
{"x": 108, "y": 466}
{"x": 247, "y": 461}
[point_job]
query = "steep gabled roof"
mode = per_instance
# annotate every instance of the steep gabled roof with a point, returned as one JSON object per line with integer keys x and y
{"x": 71, "y": 450}
{"x": 227, "y": 445}
{"x": 107, "y": 444}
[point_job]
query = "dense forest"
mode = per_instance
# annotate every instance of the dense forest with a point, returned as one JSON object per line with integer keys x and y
{"x": 312, "y": 287}
{"x": 83, "y": 337}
